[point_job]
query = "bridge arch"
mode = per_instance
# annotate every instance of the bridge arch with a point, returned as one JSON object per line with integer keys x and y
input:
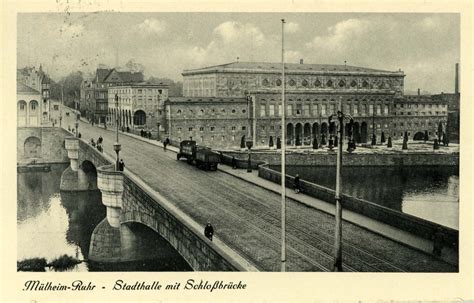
{"x": 90, "y": 171}
{"x": 136, "y": 217}
{"x": 32, "y": 147}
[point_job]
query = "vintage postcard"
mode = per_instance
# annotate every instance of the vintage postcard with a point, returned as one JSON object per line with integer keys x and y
{"x": 287, "y": 151}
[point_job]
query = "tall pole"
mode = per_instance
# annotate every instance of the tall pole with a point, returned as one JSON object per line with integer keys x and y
{"x": 61, "y": 107}
{"x": 338, "y": 231}
{"x": 117, "y": 145}
{"x": 283, "y": 151}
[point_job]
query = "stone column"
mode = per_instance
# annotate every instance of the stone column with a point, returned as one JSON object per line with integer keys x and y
{"x": 72, "y": 147}
{"x": 110, "y": 183}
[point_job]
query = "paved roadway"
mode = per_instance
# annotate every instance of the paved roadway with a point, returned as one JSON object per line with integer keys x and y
{"x": 247, "y": 217}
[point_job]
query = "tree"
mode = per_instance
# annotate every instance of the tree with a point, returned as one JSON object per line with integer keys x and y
{"x": 405, "y": 141}
{"x": 389, "y": 142}
{"x": 134, "y": 67}
{"x": 270, "y": 142}
{"x": 278, "y": 143}
{"x": 242, "y": 142}
{"x": 382, "y": 138}
{"x": 426, "y": 138}
{"x": 374, "y": 140}
{"x": 175, "y": 89}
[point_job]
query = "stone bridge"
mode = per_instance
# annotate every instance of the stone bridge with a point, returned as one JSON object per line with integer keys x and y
{"x": 131, "y": 201}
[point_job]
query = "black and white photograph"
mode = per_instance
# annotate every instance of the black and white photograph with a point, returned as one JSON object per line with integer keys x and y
{"x": 236, "y": 141}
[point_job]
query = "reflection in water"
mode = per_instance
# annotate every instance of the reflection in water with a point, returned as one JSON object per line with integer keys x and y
{"x": 51, "y": 223}
{"x": 427, "y": 192}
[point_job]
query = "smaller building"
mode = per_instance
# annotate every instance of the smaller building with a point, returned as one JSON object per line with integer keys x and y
{"x": 417, "y": 114}
{"x": 220, "y": 122}
{"x": 30, "y": 111}
{"x": 139, "y": 105}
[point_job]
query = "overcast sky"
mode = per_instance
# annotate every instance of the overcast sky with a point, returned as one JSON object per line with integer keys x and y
{"x": 424, "y": 46}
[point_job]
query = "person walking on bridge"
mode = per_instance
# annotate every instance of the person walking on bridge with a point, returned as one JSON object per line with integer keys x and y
{"x": 209, "y": 231}
{"x": 296, "y": 183}
{"x": 121, "y": 166}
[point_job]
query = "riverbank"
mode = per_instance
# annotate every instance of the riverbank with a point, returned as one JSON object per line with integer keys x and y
{"x": 418, "y": 154}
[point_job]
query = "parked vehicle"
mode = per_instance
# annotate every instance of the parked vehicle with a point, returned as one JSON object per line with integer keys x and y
{"x": 202, "y": 156}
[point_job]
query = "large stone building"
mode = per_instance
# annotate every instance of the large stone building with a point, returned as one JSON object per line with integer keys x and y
{"x": 374, "y": 98}
{"x": 33, "y": 101}
{"x": 94, "y": 93}
{"x": 140, "y": 105}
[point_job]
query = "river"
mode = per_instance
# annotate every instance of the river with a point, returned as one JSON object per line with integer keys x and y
{"x": 431, "y": 193}
{"x": 51, "y": 223}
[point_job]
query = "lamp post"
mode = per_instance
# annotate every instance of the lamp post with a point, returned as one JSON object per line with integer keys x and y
{"x": 337, "y": 266}
{"x": 117, "y": 146}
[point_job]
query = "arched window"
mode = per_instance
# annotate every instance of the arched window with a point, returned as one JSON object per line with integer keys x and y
{"x": 353, "y": 83}
{"x": 292, "y": 82}
{"x": 329, "y": 83}
{"x": 342, "y": 83}
{"x": 317, "y": 83}
{"x": 278, "y": 82}
{"x": 304, "y": 83}
{"x": 365, "y": 84}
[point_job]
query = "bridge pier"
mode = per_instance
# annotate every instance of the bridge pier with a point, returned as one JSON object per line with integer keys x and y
{"x": 74, "y": 178}
{"x": 106, "y": 243}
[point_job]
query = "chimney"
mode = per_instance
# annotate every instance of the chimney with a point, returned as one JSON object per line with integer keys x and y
{"x": 301, "y": 61}
{"x": 418, "y": 92}
{"x": 456, "y": 79}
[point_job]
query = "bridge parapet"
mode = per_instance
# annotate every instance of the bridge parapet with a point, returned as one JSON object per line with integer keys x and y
{"x": 110, "y": 183}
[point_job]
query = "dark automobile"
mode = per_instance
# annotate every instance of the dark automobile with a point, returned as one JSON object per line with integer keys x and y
{"x": 202, "y": 156}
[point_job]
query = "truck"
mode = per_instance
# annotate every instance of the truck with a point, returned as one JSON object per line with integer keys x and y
{"x": 203, "y": 157}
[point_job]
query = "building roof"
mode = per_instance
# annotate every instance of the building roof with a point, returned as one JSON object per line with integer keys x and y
{"x": 25, "y": 89}
{"x": 216, "y": 100}
{"x": 419, "y": 99}
{"x": 289, "y": 67}
{"x": 101, "y": 74}
{"x": 140, "y": 84}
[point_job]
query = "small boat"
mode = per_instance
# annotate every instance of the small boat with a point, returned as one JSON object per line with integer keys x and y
{"x": 34, "y": 168}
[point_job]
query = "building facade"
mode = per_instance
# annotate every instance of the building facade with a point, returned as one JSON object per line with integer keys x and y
{"x": 94, "y": 93}
{"x": 374, "y": 99}
{"x": 139, "y": 105}
{"x": 33, "y": 97}
{"x": 211, "y": 121}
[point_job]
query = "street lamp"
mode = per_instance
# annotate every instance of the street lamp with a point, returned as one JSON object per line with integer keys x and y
{"x": 117, "y": 146}
{"x": 337, "y": 266}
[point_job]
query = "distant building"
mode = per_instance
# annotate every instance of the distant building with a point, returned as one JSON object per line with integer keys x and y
{"x": 140, "y": 105}
{"x": 417, "y": 114}
{"x": 211, "y": 121}
{"x": 374, "y": 98}
{"x": 94, "y": 93}
{"x": 33, "y": 97}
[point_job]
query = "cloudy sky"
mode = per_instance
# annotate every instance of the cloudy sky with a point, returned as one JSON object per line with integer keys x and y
{"x": 424, "y": 46}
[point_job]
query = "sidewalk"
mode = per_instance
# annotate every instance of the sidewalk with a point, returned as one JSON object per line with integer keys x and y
{"x": 449, "y": 255}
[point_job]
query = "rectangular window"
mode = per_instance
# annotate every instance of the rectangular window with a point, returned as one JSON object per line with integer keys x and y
{"x": 379, "y": 109}
{"x": 333, "y": 109}
{"x": 244, "y": 128}
{"x": 306, "y": 110}
{"x": 201, "y": 129}
{"x": 233, "y": 128}
{"x": 190, "y": 129}
{"x": 299, "y": 109}
{"x": 323, "y": 110}
{"x": 262, "y": 110}
{"x": 356, "y": 110}
{"x": 212, "y": 128}
{"x": 385, "y": 109}
{"x": 279, "y": 109}
{"x": 315, "y": 110}
{"x": 371, "y": 109}
{"x": 289, "y": 110}
{"x": 364, "y": 109}
{"x": 272, "y": 110}
{"x": 56, "y": 107}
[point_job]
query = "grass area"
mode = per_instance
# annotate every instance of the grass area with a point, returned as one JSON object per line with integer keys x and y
{"x": 39, "y": 264}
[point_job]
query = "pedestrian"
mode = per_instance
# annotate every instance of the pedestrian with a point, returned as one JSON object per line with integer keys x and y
{"x": 141, "y": 132}
{"x": 209, "y": 231}
{"x": 121, "y": 165}
{"x": 99, "y": 147}
{"x": 234, "y": 163}
{"x": 149, "y": 134}
{"x": 438, "y": 239}
{"x": 128, "y": 129}
{"x": 164, "y": 145}
{"x": 100, "y": 139}
{"x": 296, "y": 183}
{"x": 92, "y": 142}
{"x": 79, "y": 135}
